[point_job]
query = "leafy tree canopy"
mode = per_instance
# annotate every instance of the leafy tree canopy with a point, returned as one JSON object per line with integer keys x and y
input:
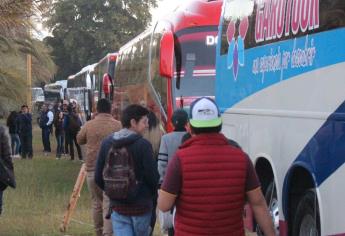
{"x": 84, "y": 31}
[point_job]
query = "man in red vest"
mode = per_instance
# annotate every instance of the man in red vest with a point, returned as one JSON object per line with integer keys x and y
{"x": 209, "y": 180}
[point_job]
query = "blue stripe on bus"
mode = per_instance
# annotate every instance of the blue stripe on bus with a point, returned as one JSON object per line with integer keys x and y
{"x": 323, "y": 154}
{"x": 330, "y": 50}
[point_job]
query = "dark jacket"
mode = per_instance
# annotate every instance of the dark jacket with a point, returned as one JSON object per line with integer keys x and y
{"x": 145, "y": 171}
{"x": 25, "y": 124}
{"x": 58, "y": 124}
{"x": 66, "y": 121}
{"x": 13, "y": 125}
{"x": 5, "y": 151}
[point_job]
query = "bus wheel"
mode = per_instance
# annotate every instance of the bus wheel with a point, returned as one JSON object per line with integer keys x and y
{"x": 273, "y": 207}
{"x": 307, "y": 218}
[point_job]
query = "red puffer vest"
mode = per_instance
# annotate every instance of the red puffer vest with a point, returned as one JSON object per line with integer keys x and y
{"x": 213, "y": 187}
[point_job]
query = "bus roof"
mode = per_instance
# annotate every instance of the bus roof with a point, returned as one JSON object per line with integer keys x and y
{"x": 114, "y": 54}
{"x": 136, "y": 39}
{"x": 88, "y": 68}
{"x": 195, "y": 13}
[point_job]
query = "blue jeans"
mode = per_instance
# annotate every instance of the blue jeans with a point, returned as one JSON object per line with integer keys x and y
{"x": 131, "y": 225}
{"x": 45, "y": 139}
{"x": 15, "y": 144}
{"x": 59, "y": 145}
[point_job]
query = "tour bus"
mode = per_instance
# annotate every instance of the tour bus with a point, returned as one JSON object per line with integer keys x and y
{"x": 171, "y": 63}
{"x": 92, "y": 83}
{"x": 280, "y": 88}
{"x": 37, "y": 98}
{"x": 103, "y": 76}
{"x": 53, "y": 93}
{"x": 80, "y": 87}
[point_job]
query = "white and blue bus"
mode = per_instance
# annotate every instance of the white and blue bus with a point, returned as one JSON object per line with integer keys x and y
{"x": 280, "y": 85}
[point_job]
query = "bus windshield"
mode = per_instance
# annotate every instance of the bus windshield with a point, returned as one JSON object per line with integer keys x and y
{"x": 195, "y": 74}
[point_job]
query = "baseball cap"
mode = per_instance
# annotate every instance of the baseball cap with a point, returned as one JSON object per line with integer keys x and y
{"x": 204, "y": 113}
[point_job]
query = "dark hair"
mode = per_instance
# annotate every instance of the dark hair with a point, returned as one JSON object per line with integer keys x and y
{"x": 23, "y": 106}
{"x": 185, "y": 137}
{"x": 216, "y": 129}
{"x": 179, "y": 119}
{"x": 103, "y": 106}
{"x": 11, "y": 118}
{"x": 153, "y": 120}
{"x": 133, "y": 111}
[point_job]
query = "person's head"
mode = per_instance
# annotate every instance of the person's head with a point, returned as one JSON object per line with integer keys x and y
{"x": 153, "y": 120}
{"x": 205, "y": 116}
{"x": 12, "y": 117}
{"x": 103, "y": 106}
{"x": 25, "y": 109}
{"x": 64, "y": 105}
{"x": 179, "y": 119}
{"x": 44, "y": 107}
{"x": 134, "y": 117}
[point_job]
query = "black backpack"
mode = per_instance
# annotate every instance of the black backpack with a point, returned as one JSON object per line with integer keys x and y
{"x": 73, "y": 124}
{"x": 120, "y": 182}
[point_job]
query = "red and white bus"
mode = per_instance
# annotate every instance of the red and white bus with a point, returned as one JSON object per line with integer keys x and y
{"x": 92, "y": 83}
{"x": 171, "y": 63}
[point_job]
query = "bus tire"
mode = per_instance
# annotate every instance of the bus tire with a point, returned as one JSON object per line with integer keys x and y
{"x": 272, "y": 204}
{"x": 307, "y": 217}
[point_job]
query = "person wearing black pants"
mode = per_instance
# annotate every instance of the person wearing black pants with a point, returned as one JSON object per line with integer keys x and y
{"x": 71, "y": 132}
{"x": 46, "y": 121}
{"x": 66, "y": 140}
{"x": 25, "y": 132}
{"x": 72, "y": 138}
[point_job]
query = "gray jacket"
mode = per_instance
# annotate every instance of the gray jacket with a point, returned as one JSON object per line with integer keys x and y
{"x": 5, "y": 151}
{"x": 169, "y": 145}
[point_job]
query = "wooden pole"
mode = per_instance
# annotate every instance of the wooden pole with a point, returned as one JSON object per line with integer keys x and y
{"x": 74, "y": 198}
{"x": 29, "y": 79}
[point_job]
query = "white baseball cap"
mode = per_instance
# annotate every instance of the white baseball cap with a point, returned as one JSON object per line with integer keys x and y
{"x": 204, "y": 113}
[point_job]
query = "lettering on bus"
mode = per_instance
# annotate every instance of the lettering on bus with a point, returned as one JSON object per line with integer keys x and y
{"x": 275, "y": 18}
{"x": 211, "y": 40}
{"x": 281, "y": 59}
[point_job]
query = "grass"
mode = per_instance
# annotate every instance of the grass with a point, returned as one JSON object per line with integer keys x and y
{"x": 37, "y": 205}
{"x": 44, "y": 185}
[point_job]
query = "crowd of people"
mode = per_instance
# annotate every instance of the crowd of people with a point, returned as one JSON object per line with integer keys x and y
{"x": 66, "y": 119}
{"x": 198, "y": 179}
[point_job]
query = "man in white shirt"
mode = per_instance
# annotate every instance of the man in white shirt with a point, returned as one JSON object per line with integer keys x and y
{"x": 46, "y": 121}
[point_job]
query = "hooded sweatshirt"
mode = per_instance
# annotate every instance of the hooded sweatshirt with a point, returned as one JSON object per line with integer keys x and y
{"x": 145, "y": 171}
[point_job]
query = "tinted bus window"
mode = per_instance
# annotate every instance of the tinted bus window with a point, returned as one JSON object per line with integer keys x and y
{"x": 159, "y": 83}
{"x": 197, "y": 51}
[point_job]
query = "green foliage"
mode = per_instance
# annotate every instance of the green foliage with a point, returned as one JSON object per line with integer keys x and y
{"x": 86, "y": 30}
{"x": 15, "y": 44}
{"x": 13, "y": 74}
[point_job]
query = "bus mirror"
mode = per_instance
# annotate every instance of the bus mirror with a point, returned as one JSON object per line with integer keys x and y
{"x": 166, "y": 57}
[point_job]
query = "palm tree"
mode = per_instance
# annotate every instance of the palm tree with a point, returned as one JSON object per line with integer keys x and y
{"x": 15, "y": 43}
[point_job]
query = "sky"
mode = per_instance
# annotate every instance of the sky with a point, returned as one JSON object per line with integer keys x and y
{"x": 164, "y": 7}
